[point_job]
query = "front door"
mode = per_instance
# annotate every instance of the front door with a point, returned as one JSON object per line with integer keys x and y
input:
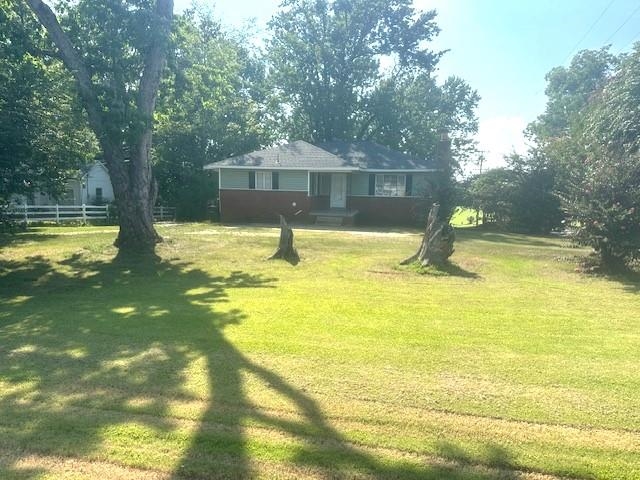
{"x": 338, "y": 190}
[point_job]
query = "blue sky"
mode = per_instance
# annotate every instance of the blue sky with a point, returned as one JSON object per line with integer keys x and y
{"x": 503, "y": 48}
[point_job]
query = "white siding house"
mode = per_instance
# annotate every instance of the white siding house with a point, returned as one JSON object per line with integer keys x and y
{"x": 92, "y": 187}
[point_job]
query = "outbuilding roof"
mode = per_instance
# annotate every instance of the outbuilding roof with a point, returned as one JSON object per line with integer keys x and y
{"x": 334, "y": 155}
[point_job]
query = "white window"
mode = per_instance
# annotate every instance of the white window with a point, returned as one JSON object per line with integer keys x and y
{"x": 391, "y": 185}
{"x": 263, "y": 180}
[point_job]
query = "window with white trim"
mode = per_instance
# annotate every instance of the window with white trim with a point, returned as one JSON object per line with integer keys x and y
{"x": 263, "y": 180}
{"x": 391, "y": 185}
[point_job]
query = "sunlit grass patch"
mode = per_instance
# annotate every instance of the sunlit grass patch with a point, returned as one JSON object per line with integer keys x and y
{"x": 213, "y": 362}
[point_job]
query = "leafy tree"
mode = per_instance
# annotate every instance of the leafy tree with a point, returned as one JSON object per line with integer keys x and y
{"x": 519, "y": 198}
{"x": 535, "y": 206}
{"x": 116, "y": 51}
{"x": 588, "y": 136}
{"x": 325, "y": 59}
{"x": 605, "y": 204}
{"x": 408, "y": 113}
{"x": 325, "y": 63}
{"x": 557, "y": 132}
{"x": 210, "y": 108}
{"x": 492, "y": 192}
{"x": 43, "y": 139}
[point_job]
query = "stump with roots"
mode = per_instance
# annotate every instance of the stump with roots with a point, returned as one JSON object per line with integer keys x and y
{"x": 286, "y": 250}
{"x": 437, "y": 243}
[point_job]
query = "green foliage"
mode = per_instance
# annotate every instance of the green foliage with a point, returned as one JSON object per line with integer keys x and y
{"x": 325, "y": 58}
{"x": 606, "y": 209}
{"x": 210, "y": 108}
{"x": 325, "y": 61}
{"x": 492, "y": 192}
{"x": 557, "y": 133}
{"x": 43, "y": 135}
{"x": 520, "y": 198}
{"x": 408, "y": 112}
{"x": 589, "y": 137}
{"x": 113, "y": 36}
{"x": 569, "y": 90}
{"x": 606, "y": 204}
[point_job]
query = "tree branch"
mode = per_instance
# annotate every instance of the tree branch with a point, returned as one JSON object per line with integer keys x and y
{"x": 154, "y": 63}
{"x": 155, "y": 59}
{"x": 73, "y": 62}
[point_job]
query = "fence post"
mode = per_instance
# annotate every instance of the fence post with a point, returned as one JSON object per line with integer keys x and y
{"x": 26, "y": 214}
{"x": 57, "y": 214}
{"x": 84, "y": 213}
{"x": 161, "y": 213}
{"x": 106, "y": 211}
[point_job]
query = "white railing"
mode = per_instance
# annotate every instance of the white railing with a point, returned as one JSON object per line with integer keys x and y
{"x": 161, "y": 214}
{"x": 75, "y": 213}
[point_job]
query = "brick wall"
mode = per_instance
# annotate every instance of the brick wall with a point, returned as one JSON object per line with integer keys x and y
{"x": 263, "y": 206}
{"x": 386, "y": 210}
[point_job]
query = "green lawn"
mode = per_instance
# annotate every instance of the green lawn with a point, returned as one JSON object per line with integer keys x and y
{"x": 461, "y": 217}
{"x": 214, "y": 363}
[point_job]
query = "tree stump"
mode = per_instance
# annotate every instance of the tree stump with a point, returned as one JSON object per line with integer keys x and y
{"x": 286, "y": 250}
{"x": 437, "y": 242}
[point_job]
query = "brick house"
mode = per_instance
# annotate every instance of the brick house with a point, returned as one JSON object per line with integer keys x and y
{"x": 334, "y": 182}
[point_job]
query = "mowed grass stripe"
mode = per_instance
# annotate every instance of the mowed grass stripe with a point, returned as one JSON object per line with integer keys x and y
{"x": 140, "y": 436}
{"x": 345, "y": 365}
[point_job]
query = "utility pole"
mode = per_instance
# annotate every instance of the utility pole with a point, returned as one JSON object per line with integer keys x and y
{"x": 480, "y": 161}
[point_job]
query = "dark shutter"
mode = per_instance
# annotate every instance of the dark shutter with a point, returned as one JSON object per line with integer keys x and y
{"x": 252, "y": 180}
{"x": 408, "y": 190}
{"x": 275, "y": 181}
{"x": 372, "y": 184}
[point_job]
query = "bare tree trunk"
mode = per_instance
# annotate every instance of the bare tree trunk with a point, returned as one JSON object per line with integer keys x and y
{"x": 437, "y": 243}
{"x": 286, "y": 250}
{"x": 133, "y": 183}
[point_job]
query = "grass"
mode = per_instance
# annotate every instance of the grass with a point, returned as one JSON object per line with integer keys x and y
{"x": 214, "y": 363}
{"x": 461, "y": 216}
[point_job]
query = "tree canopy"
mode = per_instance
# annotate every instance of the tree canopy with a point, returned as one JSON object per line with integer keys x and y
{"x": 211, "y": 106}
{"x": 109, "y": 73}
{"x": 116, "y": 53}
{"x": 43, "y": 134}
{"x": 363, "y": 70}
{"x": 589, "y": 137}
{"x": 325, "y": 57}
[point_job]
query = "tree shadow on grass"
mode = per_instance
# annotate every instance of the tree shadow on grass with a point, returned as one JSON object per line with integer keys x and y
{"x": 22, "y": 237}
{"x": 90, "y": 348}
{"x": 448, "y": 269}
{"x": 98, "y": 361}
{"x": 629, "y": 280}
{"x": 627, "y": 276}
{"x": 505, "y": 238}
{"x": 454, "y": 270}
{"x": 492, "y": 456}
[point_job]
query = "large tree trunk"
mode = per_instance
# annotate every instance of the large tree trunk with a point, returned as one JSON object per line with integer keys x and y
{"x": 132, "y": 179}
{"x": 437, "y": 242}
{"x": 135, "y": 210}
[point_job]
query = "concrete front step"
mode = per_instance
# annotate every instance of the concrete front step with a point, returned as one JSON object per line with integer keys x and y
{"x": 329, "y": 220}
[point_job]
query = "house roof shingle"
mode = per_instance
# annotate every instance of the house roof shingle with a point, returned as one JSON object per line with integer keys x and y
{"x": 372, "y": 156}
{"x": 326, "y": 156}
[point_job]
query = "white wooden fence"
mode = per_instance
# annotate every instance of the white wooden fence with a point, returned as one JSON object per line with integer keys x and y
{"x": 75, "y": 213}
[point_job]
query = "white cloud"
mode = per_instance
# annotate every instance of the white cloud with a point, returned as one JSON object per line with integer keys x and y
{"x": 499, "y": 136}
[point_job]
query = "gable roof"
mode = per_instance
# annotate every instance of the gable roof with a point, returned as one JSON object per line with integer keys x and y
{"x": 372, "y": 156}
{"x": 334, "y": 155}
{"x": 296, "y": 155}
